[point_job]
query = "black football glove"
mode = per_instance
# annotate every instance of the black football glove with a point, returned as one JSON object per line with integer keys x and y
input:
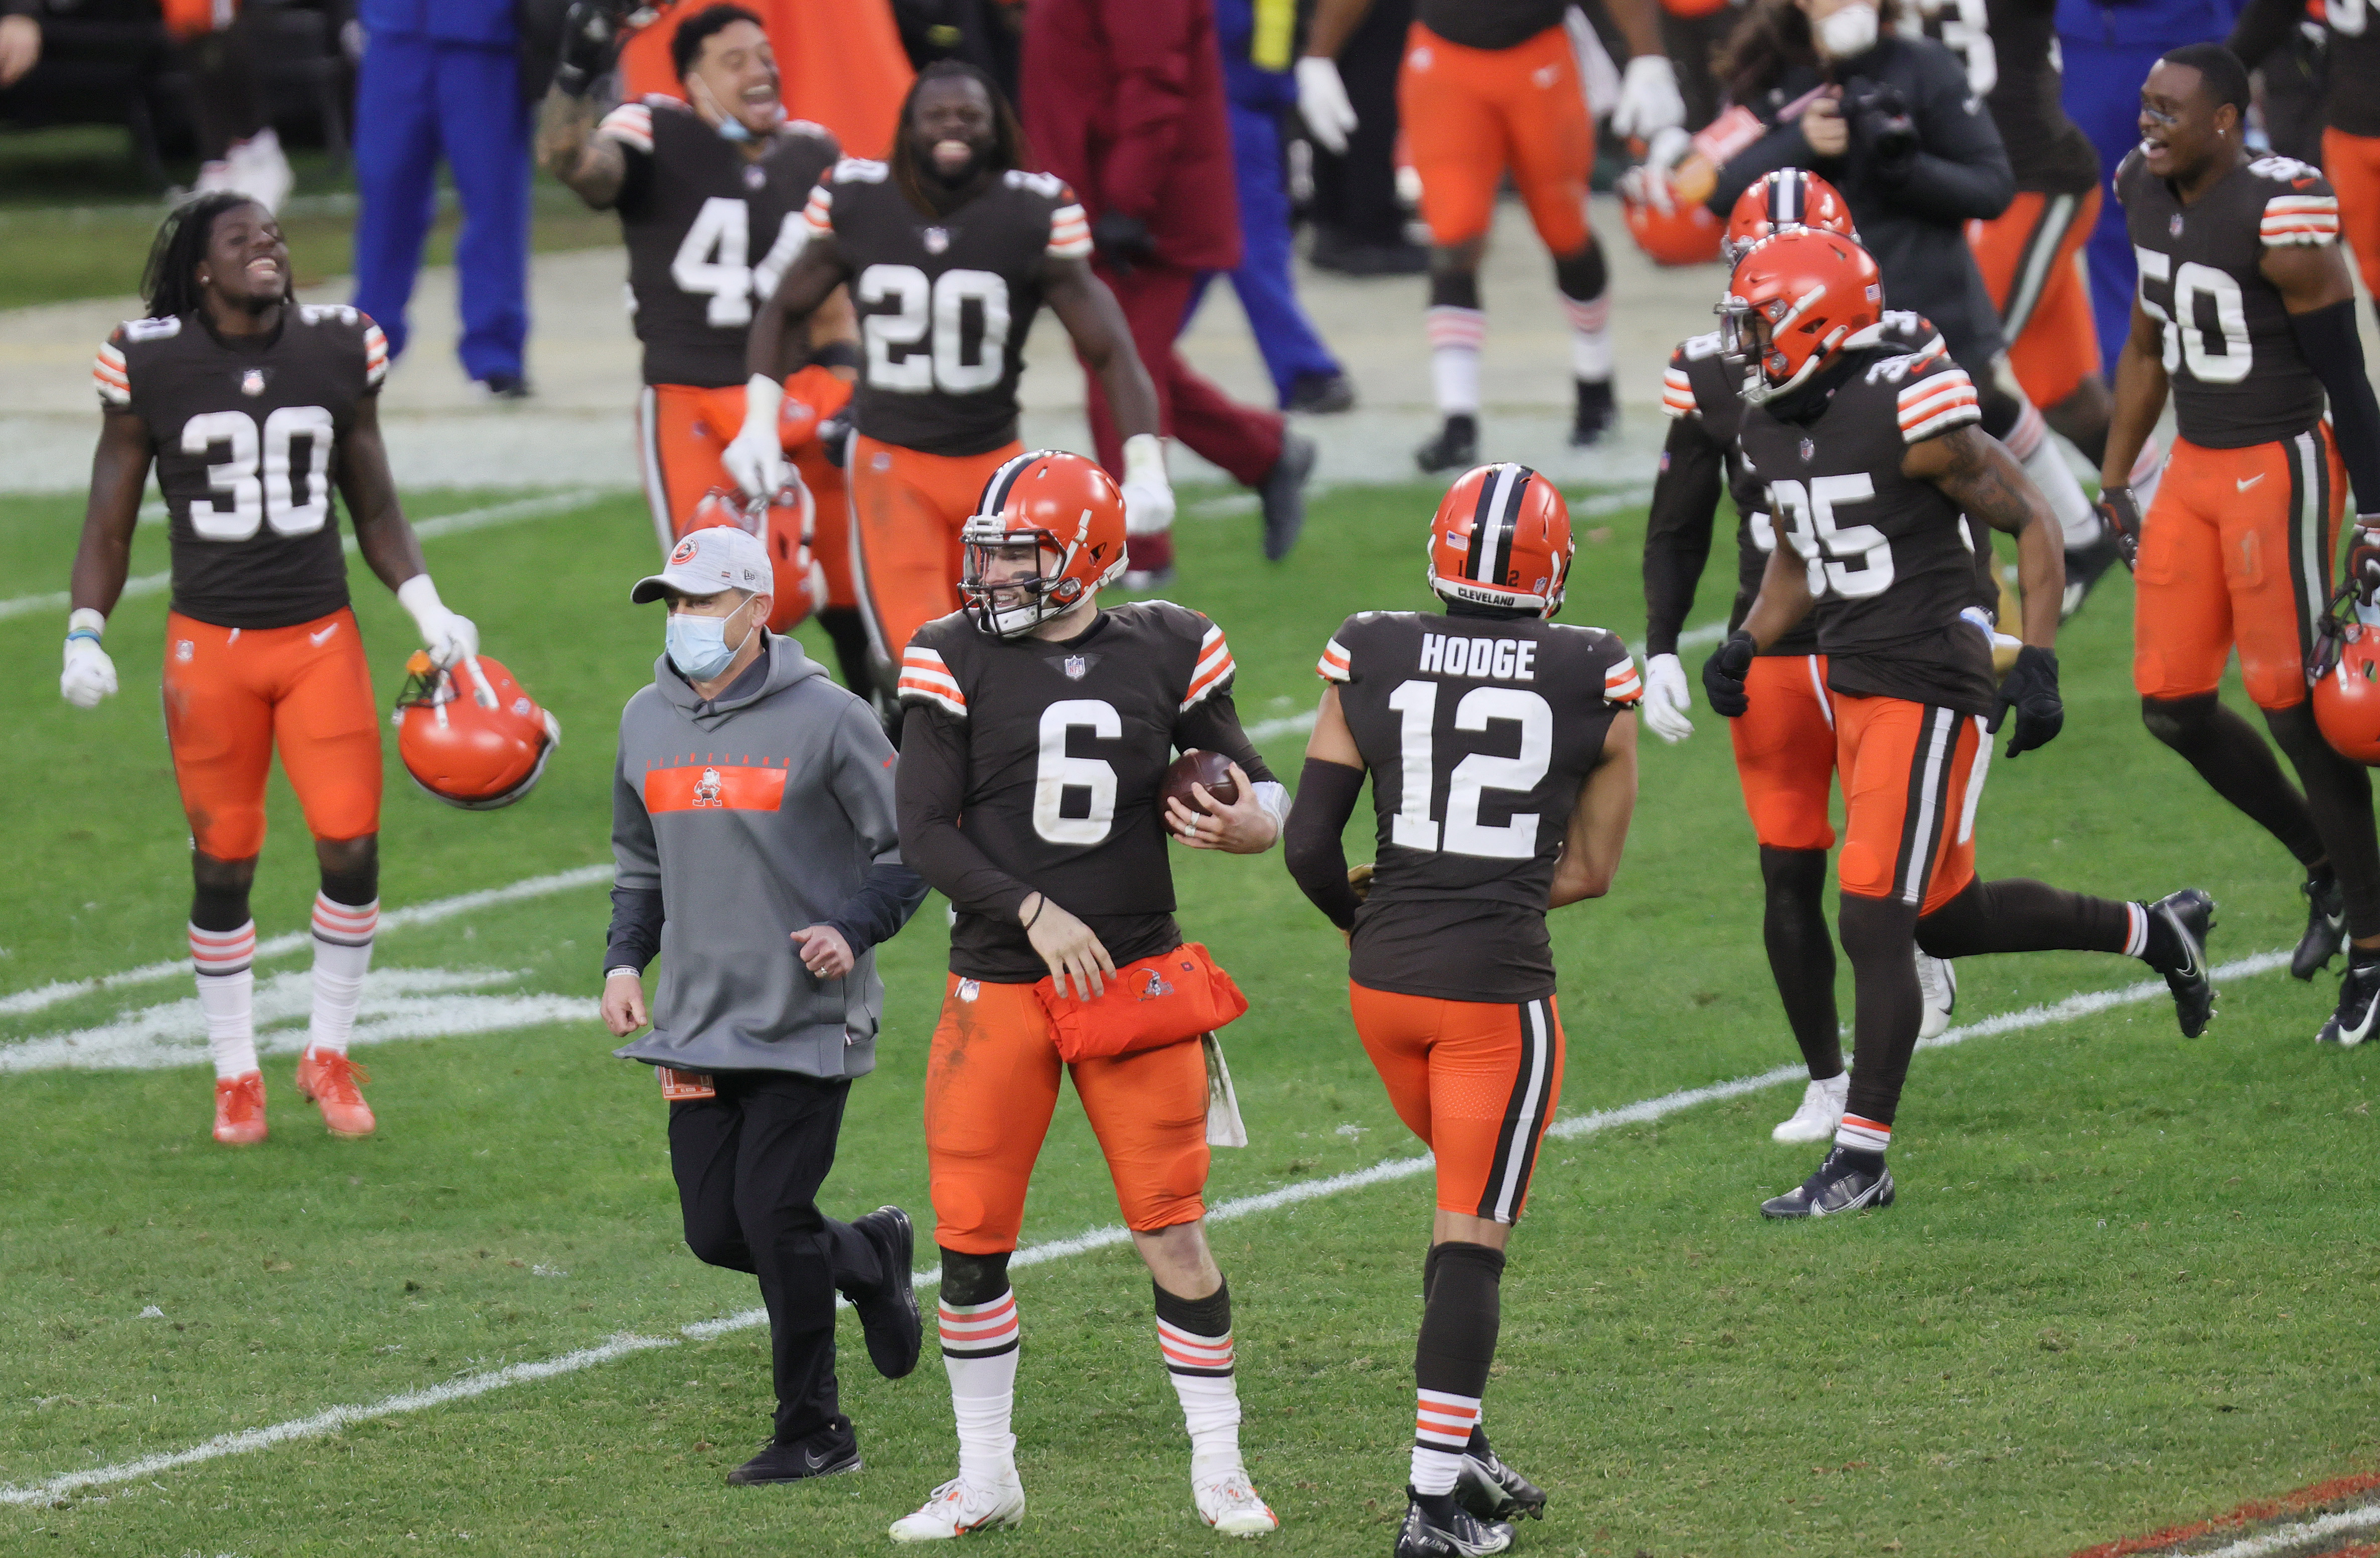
{"x": 1122, "y": 241}
{"x": 1723, "y": 675}
{"x": 2364, "y": 559}
{"x": 591, "y": 42}
{"x": 2031, "y": 689}
{"x": 2122, "y": 513}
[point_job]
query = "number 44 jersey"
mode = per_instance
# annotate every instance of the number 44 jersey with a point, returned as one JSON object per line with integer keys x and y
{"x": 1478, "y": 733}
{"x": 244, "y": 433}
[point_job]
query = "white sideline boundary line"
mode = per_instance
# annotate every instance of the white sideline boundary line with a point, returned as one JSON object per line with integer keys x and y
{"x": 1644, "y": 1111}
{"x": 2282, "y": 1538}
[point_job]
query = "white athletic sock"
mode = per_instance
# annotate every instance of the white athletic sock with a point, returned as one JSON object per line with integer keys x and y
{"x": 227, "y": 997}
{"x": 1590, "y": 338}
{"x": 979, "y": 1343}
{"x": 342, "y": 949}
{"x": 1201, "y": 1368}
{"x": 2046, "y": 463}
{"x": 1442, "y": 1427}
{"x": 1863, "y": 1135}
{"x": 1454, "y": 338}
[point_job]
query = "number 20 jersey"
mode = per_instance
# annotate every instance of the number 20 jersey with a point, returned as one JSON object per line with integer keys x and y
{"x": 245, "y": 434}
{"x": 944, "y": 300}
{"x": 1479, "y": 732}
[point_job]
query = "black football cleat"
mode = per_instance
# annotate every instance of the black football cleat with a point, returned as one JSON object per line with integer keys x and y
{"x": 889, "y": 1317}
{"x": 1492, "y": 1491}
{"x": 2085, "y": 566}
{"x": 2359, "y": 1003}
{"x": 1456, "y": 447}
{"x": 1455, "y": 1534}
{"x": 1320, "y": 395}
{"x": 1283, "y": 494}
{"x": 1594, "y": 415}
{"x": 828, "y": 1452}
{"x": 2188, "y": 914}
{"x": 2325, "y": 931}
{"x": 1840, "y": 1184}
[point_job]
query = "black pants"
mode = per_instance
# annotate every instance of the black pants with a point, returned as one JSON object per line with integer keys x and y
{"x": 1355, "y": 192}
{"x": 748, "y": 1164}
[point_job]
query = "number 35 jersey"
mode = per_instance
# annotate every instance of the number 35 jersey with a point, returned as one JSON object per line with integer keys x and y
{"x": 2237, "y": 376}
{"x": 1479, "y": 732}
{"x": 245, "y": 434}
{"x": 944, "y": 301}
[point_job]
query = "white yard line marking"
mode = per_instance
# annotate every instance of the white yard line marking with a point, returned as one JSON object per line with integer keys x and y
{"x": 2286, "y": 1537}
{"x": 427, "y": 530}
{"x": 1641, "y": 1113}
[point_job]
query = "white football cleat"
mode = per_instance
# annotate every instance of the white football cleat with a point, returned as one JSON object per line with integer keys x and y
{"x": 957, "y": 1508}
{"x": 1228, "y": 1501}
{"x": 1937, "y": 985}
{"x": 1821, "y": 1111}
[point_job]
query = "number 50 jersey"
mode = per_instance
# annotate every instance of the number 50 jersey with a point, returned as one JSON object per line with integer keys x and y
{"x": 1479, "y": 732}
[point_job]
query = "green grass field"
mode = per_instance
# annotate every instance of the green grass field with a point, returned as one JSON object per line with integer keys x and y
{"x": 2130, "y": 1279}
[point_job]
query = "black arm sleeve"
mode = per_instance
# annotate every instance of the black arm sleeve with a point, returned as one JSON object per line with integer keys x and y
{"x": 1678, "y": 532}
{"x": 2335, "y": 352}
{"x": 1317, "y": 856}
{"x": 1212, "y": 724}
{"x": 929, "y": 786}
{"x": 887, "y": 896}
{"x": 636, "y": 932}
{"x": 2264, "y": 26}
{"x": 1960, "y": 172}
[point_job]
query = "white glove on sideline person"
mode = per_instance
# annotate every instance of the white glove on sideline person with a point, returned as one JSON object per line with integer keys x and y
{"x": 1148, "y": 491}
{"x": 1649, "y": 101}
{"x": 447, "y": 636}
{"x": 755, "y": 458}
{"x": 1666, "y": 699}
{"x": 90, "y": 675}
{"x": 1322, "y": 102}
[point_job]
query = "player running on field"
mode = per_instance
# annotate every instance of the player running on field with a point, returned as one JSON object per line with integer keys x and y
{"x": 2246, "y": 312}
{"x": 1869, "y": 455}
{"x": 950, "y": 250}
{"x": 253, "y": 408}
{"x": 710, "y": 194}
{"x": 1035, "y": 734}
{"x": 1785, "y": 745}
{"x": 2351, "y": 107}
{"x": 1502, "y": 751}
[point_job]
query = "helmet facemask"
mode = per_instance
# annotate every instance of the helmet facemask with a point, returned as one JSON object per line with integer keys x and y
{"x": 1011, "y": 607}
{"x": 1751, "y": 336}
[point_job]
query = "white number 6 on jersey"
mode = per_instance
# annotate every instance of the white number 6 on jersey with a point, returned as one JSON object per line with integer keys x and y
{"x": 1056, "y": 772}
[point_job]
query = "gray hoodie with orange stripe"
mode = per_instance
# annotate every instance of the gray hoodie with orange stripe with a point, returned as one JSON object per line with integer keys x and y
{"x": 736, "y": 820}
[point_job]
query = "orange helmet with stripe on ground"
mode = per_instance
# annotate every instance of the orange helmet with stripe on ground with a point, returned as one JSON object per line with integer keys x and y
{"x": 1790, "y": 197}
{"x": 1681, "y": 231}
{"x": 1501, "y": 538}
{"x": 470, "y": 734}
{"x": 1065, "y": 508}
{"x": 1794, "y": 300}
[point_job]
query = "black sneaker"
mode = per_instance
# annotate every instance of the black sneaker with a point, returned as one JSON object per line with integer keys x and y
{"x": 2359, "y": 1003}
{"x": 1457, "y": 1533}
{"x": 1594, "y": 415}
{"x": 1455, "y": 448}
{"x": 505, "y": 386}
{"x": 2325, "y": 931}
{"x": 1321, "y": 394}
{"x": 889, "y": 1318}
{"x": 828, "y": 1452}
{"x": 1284, "y": 495}
{"x": 1840, "y": 1184}
{"x": 1331, "y": 252}
{"x": 1492, "y": 1491}
{"x": 2188, "y": 914}
{"x": 2084, "y": 567}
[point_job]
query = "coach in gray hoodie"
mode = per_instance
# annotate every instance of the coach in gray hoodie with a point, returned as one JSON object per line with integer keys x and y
{"x": 753, "y": 828}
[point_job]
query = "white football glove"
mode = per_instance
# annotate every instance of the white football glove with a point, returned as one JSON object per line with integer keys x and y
{"x": 755, "y": 458}
{"x": 90, "y": 675}
{"x": 1148, "y": 492}
{"x": 1322, "y": 102}
{"x": 1667, "y": 700}
{"x": 1648, "y": 98}
{"x": 448, "y": 635}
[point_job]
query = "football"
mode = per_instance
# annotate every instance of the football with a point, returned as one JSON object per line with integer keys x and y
{"x": 1200, "y": 767}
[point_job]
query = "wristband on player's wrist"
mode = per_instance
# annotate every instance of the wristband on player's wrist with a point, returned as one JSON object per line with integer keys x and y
{"x": 632, "y": 973}
{"x": 1043, "y": 902}
{"x": 85, "y": 623}
{"x": 836, "y": 354}
{"x": 1144, "y": 457}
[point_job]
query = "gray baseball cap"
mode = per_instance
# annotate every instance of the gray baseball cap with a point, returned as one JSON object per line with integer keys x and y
{"x": 706, "y": 561}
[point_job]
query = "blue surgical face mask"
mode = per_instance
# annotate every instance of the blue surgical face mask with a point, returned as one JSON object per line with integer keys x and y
{"x": 698, "y": 645}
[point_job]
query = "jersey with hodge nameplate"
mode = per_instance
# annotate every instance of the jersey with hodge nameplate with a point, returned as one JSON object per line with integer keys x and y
{"x": 708, "y": 232}
{"x": 944, "y": 301}
{"x": 1049, "y": 756}
{"x": 2237, "y": 376}
{"x": 244, "y": 433}
{"x": 1479, "y": 732}
{"x": 1889, "y": 557}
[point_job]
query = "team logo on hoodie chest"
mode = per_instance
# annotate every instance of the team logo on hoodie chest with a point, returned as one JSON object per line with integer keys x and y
{"x": 715, "y": 782}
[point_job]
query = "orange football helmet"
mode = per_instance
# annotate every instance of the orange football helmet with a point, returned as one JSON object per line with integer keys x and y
{"x": 1790, "y": 197}
{"x": 785, "y": 526}
{"x": 476, "y": 741}
{"x": 1687, "y": 234}
{"x": 1795, "y": 298}
{"x": 1501, "y": 538}
{"x": 1069, "y": 508}
{"x": 2347, "y": 683}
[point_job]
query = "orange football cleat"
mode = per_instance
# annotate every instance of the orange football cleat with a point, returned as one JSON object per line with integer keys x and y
{"x": 329, "y": 1080}
{"x": 239, "y": 1108}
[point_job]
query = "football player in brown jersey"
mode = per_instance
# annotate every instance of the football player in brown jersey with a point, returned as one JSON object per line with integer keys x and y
{"x": 2350, "y": 108}
{"x": 709, "y": 193}
{"x": 1037, "y": 729}
{"x": 252, "y": 408}
{"x": 950, "y": 250}
{"x": 1502, "y": 748}
{"x": 1870, "y": 457}
{"x": 2246, "y": 315}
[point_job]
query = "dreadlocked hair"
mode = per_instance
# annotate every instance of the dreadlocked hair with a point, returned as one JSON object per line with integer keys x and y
{"x": 1010, "y": 149}
{"x": 170, "y": 281}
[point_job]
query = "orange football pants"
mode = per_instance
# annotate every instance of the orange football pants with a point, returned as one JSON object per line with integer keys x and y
{"x": 1477, "y": 1080}
{"x": 1472, "y": 114}
{"x": 906, "y": 510}
{"x": 2351, "y": 162}
{"x": 1912, "y": 774}
{"x": 2236, "y": 549}
{"x": 2031, "y": 256}
{"x": 233, "y": 694}
{"x": 1785, "y": 750}
{"x": 991, "y": 1085}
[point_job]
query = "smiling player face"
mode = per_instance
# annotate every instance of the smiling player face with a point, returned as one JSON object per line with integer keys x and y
{"x": 248, "y": 261}
{"x": 951, "y": 127}
{"x": 2179, "y": 122}
{"x": 736, "y": 76}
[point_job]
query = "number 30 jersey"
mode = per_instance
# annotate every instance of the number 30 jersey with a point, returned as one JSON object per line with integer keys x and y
{"x": 1479, "y": 732}
{"x": 245, "y": 434}
{"x": 944, "y": 301}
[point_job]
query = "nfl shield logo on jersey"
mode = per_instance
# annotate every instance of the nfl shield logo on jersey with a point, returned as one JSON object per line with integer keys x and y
{"x": 1809, "y": 451}
{"x": 1075, "y": 666}
{"x": 2174, "y": 226}
{"x": 936, "y": 239}
{"x": 754, "y": 176}
{"x": 252, "y": 382}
